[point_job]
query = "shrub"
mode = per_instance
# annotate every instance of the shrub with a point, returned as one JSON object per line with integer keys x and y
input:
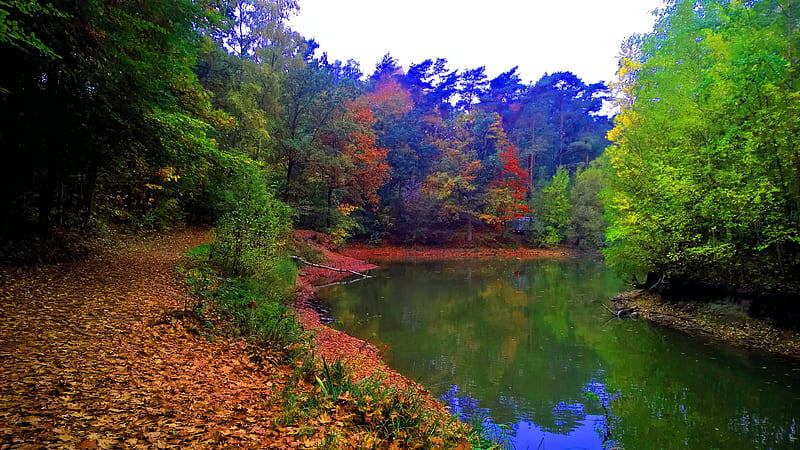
{"x": 250, "y": 238}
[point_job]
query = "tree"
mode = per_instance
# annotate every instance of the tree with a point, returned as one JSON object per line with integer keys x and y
{"x": 586, "y": 225}
{"x": 506, "y": 197}
{"x": 503, "y": 95}
{"x": 351, "y": 166}
{"x": 472, "y": 86}
{"x": 310, "y": 101}
{"x": 553, "y": 205}
{"x": 127, "y": 135}
{"x": 454, "y": 189}
{"x": 703, "y": 178}
{"x": 14, "y": 13}
{"x": 256, "y": 29}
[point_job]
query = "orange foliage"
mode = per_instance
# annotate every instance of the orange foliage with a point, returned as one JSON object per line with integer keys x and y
{"x": 506, "y": 196}
{"x": 370, "y": 170}
{"x": 389, "y": 99}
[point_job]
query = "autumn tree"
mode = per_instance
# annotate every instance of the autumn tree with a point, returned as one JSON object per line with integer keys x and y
{"x": 452, "y": 185}
{"x": 506, "y": 197}
{"x": 350, "y": 166}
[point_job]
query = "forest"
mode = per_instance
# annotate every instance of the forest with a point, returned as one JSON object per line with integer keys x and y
{"x": 148, "y": 115}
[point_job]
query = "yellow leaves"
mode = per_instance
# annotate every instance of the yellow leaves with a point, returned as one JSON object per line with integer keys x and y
{"x": 168, "y": 174}
{"x": 346, "y": 209}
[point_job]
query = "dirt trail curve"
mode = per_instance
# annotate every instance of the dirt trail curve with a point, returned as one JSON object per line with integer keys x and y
{"x": 91, "y": 358}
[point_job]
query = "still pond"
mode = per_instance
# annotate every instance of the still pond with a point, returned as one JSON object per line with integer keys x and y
{"x": 526, "y": 349}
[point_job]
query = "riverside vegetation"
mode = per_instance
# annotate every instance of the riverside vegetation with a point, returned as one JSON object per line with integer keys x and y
{"x": 337, "y": 410}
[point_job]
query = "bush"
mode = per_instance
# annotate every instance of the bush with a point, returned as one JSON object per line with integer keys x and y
{"x": 250, "y": 238}
{"x": 255, "y": 309}
{"x": 270, "y": 323}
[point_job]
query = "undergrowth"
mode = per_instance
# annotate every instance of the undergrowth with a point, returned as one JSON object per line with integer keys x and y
{"x": 250, "y": 309}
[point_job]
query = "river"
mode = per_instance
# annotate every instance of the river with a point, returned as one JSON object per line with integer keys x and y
{"x": 526, "y": 349}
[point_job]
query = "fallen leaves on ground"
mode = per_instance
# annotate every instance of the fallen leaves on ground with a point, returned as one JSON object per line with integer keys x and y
{"x": 100, "y": 353}
{"x": 92, "y": 356}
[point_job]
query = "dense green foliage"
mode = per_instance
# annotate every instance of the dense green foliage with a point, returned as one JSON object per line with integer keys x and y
{"x": 704, "y": 179}
{"x": 255, "y": 308}
{"x": 102, "y": 120}
{"x": 586, "y": 225}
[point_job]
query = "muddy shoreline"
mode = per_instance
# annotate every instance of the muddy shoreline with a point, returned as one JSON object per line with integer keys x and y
{"x": 721, "y": 321}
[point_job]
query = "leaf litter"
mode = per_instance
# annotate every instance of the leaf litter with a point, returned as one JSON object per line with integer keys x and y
{"x": 88, "y": 360}
{"x": 96, "y": 354}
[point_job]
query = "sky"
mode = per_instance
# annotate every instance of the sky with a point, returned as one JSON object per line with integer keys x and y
{"x": 539, "y": 36}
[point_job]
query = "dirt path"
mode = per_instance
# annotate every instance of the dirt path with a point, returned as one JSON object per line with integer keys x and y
{"x": 91, "y": 358}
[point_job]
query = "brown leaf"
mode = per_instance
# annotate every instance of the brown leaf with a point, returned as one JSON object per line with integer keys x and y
{"x": 462, "y": 445}
{"x": 87, "y": 444}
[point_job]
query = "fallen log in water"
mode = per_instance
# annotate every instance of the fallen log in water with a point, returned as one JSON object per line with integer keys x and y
{"x": 335, "y": 269}
{"x": 622, "y": 313}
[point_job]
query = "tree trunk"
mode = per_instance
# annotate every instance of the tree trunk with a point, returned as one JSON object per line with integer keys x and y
{"x": 329, "y": 204}
{"x": 289, "y": 174}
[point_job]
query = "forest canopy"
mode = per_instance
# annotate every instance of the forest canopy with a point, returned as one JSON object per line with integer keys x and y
{"x": 153, "y": 114}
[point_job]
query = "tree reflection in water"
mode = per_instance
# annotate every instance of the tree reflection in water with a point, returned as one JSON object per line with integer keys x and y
{"x": 571, "y": 426}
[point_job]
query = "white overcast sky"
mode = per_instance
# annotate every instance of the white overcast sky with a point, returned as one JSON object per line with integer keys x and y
{"x": 582, "y": 36}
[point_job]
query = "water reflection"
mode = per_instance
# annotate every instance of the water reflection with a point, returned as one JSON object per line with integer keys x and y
{"x": 574, "y": 426}
{"x": 524, "y": 348}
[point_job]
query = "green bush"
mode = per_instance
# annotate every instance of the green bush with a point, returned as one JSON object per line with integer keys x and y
{"x": 256, "y": 310}
{"x": 250, "y": 238}
{"x": 269, "y": 322}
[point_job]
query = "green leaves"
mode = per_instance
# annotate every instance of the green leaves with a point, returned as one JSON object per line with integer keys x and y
{"x": 13, "y": 30}
{"x": 703, "y": 174}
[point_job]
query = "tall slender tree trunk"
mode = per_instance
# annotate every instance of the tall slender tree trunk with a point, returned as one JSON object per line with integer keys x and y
{"x": 289, "y": 173}
{"x": 531, "y": 167}
{"x": 330, "y": 204}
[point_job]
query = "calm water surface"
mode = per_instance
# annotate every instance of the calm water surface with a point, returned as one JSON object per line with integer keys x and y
{"x": 525, "y": 348}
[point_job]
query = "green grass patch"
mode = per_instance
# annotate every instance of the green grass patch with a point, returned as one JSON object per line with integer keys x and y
{"x": 253, "y": 309}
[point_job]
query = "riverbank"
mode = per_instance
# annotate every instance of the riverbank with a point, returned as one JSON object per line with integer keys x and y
{"x": 726, "y": 322}
{"x": 363, "y": 357}
{"x": 395, "y": 253}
